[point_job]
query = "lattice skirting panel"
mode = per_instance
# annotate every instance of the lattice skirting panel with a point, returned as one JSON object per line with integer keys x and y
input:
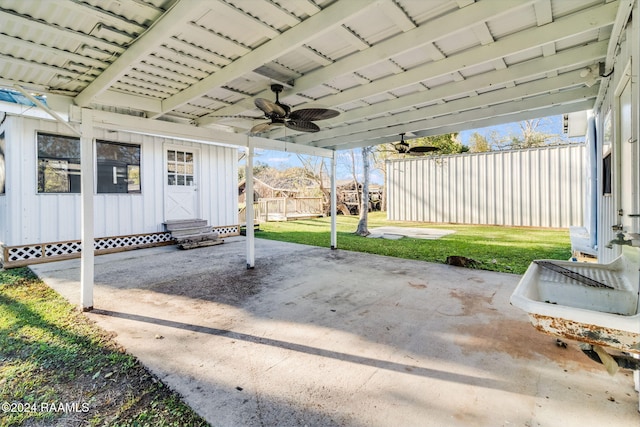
{"x": 227, "y": 230}
{"x": 19, "y": 256}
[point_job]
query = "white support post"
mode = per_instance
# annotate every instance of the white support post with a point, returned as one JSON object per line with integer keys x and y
{"x": 250, "y": 215}
{"x": 334, "y": 196}
{"x": 86, "y": 221}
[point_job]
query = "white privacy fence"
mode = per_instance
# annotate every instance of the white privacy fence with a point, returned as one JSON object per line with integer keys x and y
{"x": 538, "y": 187}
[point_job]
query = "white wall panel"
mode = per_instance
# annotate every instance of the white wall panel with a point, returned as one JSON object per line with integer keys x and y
{"x": 608, "y": 205}
{"x": 37, "y": 218}
{"x": 540, "y": 187}
{"x": 4, "y": 218}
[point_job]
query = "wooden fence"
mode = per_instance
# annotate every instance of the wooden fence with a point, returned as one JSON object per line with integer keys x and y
{"x": 285, "y": 209}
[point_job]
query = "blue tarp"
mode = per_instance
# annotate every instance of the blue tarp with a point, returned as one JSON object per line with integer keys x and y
{"x": 16, "y": 97}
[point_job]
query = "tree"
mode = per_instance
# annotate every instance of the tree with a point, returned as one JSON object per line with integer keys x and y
{"x": 354, "y": 173}
{"x": 479, "y": 143}
{"x": 363, "y": 229}
{"x": 447, "y": 143}
{"x": 315, "y": 169}
{"x": 530, "y": 136}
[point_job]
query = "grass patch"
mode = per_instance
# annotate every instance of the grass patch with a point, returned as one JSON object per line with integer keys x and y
{"x": 57, "y": 368}
{"x": 505, "y": 249}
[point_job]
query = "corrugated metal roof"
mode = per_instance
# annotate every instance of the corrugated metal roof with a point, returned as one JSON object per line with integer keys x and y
{"x": 200, "y": 62}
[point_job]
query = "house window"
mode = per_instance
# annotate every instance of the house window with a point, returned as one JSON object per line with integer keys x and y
{"x": 58, "y": 164}
{"x": 118, "y": 167}
{"x": 607, "y": 141}
{"x": 606, "y": 175}
{"x": 179, "y": 168}
{"x": 3, "y": 172}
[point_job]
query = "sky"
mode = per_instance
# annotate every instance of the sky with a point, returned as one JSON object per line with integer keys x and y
{"x": 282, "y": 160}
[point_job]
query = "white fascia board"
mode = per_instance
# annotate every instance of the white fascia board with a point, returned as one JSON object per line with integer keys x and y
{"x": 114, "y": 121}
{"x": 24, "y": 110}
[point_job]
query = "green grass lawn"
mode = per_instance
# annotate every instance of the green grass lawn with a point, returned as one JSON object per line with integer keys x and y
{"x": 497, "y": 248}
{"x": 57, "y": 368}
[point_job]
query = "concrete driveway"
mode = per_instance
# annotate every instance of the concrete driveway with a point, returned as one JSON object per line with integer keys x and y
{"x": 320, "y": 338}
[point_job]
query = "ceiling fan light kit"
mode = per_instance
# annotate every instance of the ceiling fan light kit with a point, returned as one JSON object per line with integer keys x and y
{"x": 403, "y": 147}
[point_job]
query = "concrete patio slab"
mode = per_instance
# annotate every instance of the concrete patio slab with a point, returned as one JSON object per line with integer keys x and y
{"x": 334, "y": 338}
{"x": 395, "y": 233}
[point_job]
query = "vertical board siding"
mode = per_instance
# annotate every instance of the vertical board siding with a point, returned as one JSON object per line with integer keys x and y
{"x": 4, "y": 204}
{"x": 608, "y": 205}
{"x": 29, "y": 217}
{"x": 539, "y": 187}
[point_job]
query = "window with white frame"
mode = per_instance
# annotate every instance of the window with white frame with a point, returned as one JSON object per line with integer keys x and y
{"x": 58, "y": 164}
{"x": 180, "y": 170}
{"x": 118, "y": 167}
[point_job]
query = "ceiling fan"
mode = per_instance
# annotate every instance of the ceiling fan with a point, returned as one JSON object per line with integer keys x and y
{"x": 403, "y": 147}
{"x": 280, "y": 114}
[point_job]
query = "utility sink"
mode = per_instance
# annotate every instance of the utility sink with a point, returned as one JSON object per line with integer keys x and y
{"x": 592, "y": 303}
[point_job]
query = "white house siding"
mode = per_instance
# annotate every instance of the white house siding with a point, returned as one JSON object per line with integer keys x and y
{"x": 41, "y": 218}
{"x": 4, "y": 224}
{"x": 540, "y": 187}
{"x": 607, "y": 209}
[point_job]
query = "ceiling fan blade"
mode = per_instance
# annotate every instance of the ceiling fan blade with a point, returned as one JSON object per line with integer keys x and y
{"x": 270, "y": 108}
{"x": 302, "y": 126}
{"x": 260, "y": 127}
{"x": 309, "y": 114}
{"x": 422, "y": 149}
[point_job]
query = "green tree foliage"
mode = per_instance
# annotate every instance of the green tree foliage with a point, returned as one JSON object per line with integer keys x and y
{"x": 479, "y": 143}
{"x": 447, "y": 144}
{"x": 258, "y": 168}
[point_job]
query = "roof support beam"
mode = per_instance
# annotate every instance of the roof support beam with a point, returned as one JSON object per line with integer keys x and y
{"x": 423, "y": 127}
{"x": 523, "y": 71}
{"x": 527, "y": 90}
{"x": 170, "y": 21}
{"x": 484, "y": 121}
{"x": 114, "y": 121}
{"x": 406, "y": 41}
{"x": 291, "y": 39}
{"x": 562, "y": 28}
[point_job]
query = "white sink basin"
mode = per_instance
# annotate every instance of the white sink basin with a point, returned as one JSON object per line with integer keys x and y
{"x": 562, "y": 306}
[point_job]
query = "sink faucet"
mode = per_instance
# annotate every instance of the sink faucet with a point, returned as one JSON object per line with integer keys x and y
{"x": 619, "y": 240}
